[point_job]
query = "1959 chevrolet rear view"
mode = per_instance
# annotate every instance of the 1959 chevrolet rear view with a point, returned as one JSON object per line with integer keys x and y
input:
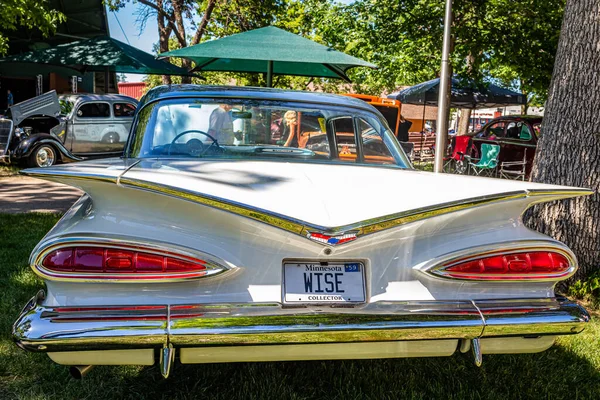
{"x": 215, "y": 239}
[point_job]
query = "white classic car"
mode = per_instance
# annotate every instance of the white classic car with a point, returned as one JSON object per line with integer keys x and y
{"x": 217, "y": 241}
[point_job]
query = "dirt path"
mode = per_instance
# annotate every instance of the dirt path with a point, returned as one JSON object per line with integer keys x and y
{"x": 21, "y": 194}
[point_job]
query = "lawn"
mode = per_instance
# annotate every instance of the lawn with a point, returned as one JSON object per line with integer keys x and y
{"x": 569, "y": 370}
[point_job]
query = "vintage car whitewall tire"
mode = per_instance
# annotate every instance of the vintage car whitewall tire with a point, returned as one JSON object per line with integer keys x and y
{"x": 42, "y": 156}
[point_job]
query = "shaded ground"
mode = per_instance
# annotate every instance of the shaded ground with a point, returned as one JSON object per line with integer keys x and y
{"x": 21, "y": 194}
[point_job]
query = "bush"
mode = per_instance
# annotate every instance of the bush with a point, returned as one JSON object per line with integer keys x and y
{"x": 587, "y": 289}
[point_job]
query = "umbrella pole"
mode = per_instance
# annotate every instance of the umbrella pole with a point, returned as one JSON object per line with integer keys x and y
{"x": 270, "y": 73}
{"x": 442, "y": 117}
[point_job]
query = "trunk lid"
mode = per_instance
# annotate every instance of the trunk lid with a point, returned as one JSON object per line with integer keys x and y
{"x": 328, "y": 195}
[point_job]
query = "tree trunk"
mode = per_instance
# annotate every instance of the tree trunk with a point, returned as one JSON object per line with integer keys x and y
{"x": 163, "y": 39}
{"x": 568, "y": 152}
{"x": 463, "y": 122}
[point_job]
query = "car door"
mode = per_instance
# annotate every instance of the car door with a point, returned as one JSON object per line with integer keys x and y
{"x": 90, "y": 126}
{"x": 116, "y": 133}
{"x": 492, "y": 134}
{"x": 517, "y": 143}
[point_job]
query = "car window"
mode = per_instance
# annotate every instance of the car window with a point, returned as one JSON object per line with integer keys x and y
{"x": 257, "y": 129}
{"x": 343, "y": 130}
{"x": 525, "y": 133}
{"x": 537, "y": 128}
{"x": 94, "y": 110}
{"x": 513, "y": 130}
{"x": 123, "y": 110}
{"x": 493, "y": 131}
{"x": 375, "y": 151}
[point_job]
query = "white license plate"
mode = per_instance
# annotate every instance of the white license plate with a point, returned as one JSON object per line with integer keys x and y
{"x": 314, "y": 282}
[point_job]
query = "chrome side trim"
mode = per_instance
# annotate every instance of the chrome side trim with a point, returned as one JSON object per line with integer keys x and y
{"x": 303, "y": 228}
{"x": 436, "y": 266}
{"x": 214, "y": 265}
{"x": 257, "y": 214}
{"x": 50, "y": 329}
{"x": 56, "y": 174}
{"x": 361, "y": 228}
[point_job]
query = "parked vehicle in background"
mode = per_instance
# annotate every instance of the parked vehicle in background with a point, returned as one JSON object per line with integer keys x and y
{"x": 517, "y": 136}
{"x": 46, "y": 129}
{"x": 420, "y": 144}
{"x": 208, "y": 243}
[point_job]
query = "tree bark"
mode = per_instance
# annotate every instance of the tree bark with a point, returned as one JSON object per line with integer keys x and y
{"x": 163, "y": 38}
{"x": 464, "y": 121}
{"x": 568, "y": 152}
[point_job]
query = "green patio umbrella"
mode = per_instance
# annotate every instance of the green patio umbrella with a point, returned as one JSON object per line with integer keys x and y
{"x": 272, "y": 51}
{"x": 99, "y": 54}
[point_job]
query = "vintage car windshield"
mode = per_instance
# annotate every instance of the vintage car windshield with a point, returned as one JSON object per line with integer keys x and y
{"x": 242, "y": 129}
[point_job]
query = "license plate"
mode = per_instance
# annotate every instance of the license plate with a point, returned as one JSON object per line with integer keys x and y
{"x": 314, "y": 282}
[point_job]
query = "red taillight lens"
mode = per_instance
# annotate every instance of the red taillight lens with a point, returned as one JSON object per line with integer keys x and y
{"x": 511, "y": 266}
{"x": 112, "y": 263}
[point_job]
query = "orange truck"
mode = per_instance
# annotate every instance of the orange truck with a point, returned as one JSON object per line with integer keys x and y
{"x": 391, "y": 111}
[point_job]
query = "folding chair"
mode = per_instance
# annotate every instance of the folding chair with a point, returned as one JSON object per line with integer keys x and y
{"x": 488, "y": 162}
{"x": 457, "y": 162}
{"x": 514, "y": 169}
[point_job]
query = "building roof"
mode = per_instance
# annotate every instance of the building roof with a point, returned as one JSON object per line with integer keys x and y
{"x": 85, "y": 19}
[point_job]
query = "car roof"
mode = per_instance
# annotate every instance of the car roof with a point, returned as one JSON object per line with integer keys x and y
{"x": 209, "y": 91}
{"x": 518, "y": 117}
{"x": 77, "y": 98}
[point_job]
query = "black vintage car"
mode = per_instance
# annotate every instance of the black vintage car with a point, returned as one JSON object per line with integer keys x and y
{"x": 517, "y": 136}
{"x": 46, "y": 129}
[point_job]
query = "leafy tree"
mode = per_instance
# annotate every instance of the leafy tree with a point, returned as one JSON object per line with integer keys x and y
{"x": 513, "y": 42}
{"x": 523, "y": 45}
{"x": 568, "y": 152}
{"x": 31, "y": 14}
{"x": 172, "y": 17}
{"x": 231, "y": 17}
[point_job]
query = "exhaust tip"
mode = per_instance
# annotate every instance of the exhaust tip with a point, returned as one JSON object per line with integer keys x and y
{"x": 79, "y": 371}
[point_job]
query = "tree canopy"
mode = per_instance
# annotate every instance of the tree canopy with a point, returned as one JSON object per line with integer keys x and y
{"x": 507, "y": 42}
{"x": 31, "y": 14}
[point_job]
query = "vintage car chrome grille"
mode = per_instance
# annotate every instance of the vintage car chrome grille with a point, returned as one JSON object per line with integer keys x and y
{"x": 6, "y": 128}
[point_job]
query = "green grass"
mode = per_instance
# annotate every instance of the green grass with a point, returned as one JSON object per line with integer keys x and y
{"x": 569, "y": 370}
{"x": 424, "y": 165}
{"x": 8, "y": 170}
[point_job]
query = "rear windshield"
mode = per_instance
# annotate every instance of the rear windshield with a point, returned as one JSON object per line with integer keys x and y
{"x": 242, "y": 129}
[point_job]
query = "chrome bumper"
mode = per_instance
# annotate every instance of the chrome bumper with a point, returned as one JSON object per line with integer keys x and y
{"x": 54, "y": 329}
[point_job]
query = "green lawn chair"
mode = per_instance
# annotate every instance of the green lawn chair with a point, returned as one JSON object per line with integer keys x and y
{"x": 488, "y": 162}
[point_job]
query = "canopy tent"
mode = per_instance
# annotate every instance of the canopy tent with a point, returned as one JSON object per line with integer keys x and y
{"x": 100, "y": 54}
{"x": 272, "y": 51}
{"x": 464, "y": 94}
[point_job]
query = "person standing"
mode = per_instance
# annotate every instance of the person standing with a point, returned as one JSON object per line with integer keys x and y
{"x": 10, "y": 100}
{"x": 221, "y": 124}
{"x": 403, "y": 129}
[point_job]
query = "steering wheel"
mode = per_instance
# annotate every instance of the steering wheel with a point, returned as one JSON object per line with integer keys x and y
{"x": 202, "y": 148}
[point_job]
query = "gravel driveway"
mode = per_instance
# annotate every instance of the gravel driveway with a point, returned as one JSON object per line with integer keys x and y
{"x": 21, "y": 194}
